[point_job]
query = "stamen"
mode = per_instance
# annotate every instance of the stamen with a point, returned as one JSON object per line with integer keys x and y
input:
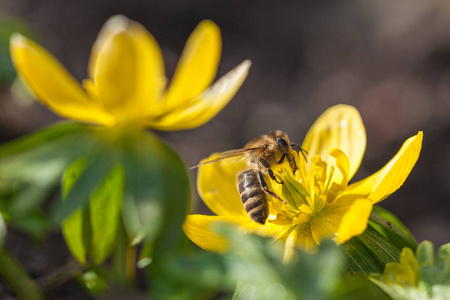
{"x": 304, "y": 193}
{"x": 301, "y": 219}
{"x": 305, "y": 209}
{"x": 321, "y": 203}
{"x": 316, "y": 190}
{"x": 321, "y": 186}
{"x": 317, "y": 171}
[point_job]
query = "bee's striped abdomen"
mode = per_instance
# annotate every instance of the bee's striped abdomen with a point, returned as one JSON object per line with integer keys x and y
{"x": 253, "y": 197}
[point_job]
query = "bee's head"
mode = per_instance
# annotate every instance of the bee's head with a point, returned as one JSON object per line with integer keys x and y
{"x": 284, "y": 145}
{"x": 283, "y": 142}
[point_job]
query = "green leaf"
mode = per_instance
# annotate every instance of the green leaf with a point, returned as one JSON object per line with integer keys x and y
{"x": 34, "y": 223}
{"x": 28, "y": 198}
{"x": 392, "y": 228}
{"x": 360, "y": 261}
{"x": 176, "y": 201}
{"x": 443, "y": 265}
{"x": 41, "y": 158}
{"x": 74, "y": 229}
{"x": 43, "y": 136}
{"x": 418, "y": 276}
{"x": 425, "y": 258}
{"x": 30, "y": 167}
{"x": 197, "y": 269}
{"x": 93, "y": 282}
{"x": 96, "y": 171}
{"x": 142, "y": 206}
{"x": 170, "y": 189}
{"x": 92, "y": 230}
{"x": 253, "y": 268}
{"x": 156, "y": 189}
{"x": 398, "y": 292}
{"x": 105, "y": 211}
{"x": 255, "y": 264}
{"x": 380, "y": 247}
{"x": 356, "y": 288}
{"x": 75, "y": 233}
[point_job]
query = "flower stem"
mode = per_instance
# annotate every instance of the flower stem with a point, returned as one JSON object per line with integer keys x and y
{"x": 124, "y": 263}
{"x": 130, "y": 263}
{"x": 12, "y": 271}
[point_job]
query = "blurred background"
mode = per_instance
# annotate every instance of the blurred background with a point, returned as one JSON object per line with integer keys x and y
{"x": 389, "y": 59}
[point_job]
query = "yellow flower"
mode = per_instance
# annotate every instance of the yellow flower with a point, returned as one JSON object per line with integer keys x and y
{"x": 317, "y": 200}
{"x": 127, "y": 83}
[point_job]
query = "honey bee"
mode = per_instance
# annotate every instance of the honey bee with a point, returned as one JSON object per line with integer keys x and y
{"x": 261, "y": 154}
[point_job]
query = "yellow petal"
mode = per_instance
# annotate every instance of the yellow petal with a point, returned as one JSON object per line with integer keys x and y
{"x": 269, "y": 229}
{"x": 216, "y": 184}
{"x": 340, "y": 179}
{"x": 91, "y": 90}
{"x": 387, "y": 180}
{"x": 52, "y": 84}
{"x": 200, "y": 229}
{"x": 299, "y": 237}
{"x": 203, "y": 108}
{"x": 324, "y": 225}
{"x": 197, "y": 66}
{"x": 338, "y": 127}
{"x": 127, "y": 68}
{"x": 354, "y": 221}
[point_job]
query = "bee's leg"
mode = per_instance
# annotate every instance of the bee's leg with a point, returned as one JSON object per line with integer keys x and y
{"x": 273, "y": 177}
{"x": 269, "y": 170}
{"x": 295, "y": 165}
{"x": 265, "y": 188}
{"x": 282, "y": 158}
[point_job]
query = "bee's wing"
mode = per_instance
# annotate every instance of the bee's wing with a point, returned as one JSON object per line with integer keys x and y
{"x": 242, "y": 151}
{"x": 237, "y": 153}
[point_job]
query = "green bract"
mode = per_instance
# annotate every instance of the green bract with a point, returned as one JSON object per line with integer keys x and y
{"x": 380, "y": 244}
{"x": 418, "y": 276}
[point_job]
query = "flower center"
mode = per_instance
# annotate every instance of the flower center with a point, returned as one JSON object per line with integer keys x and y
{"x": 305, "y": 192}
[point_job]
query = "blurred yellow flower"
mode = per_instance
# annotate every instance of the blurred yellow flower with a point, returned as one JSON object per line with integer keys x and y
{"x": 127, "y": 83}
{"x": 318, "y": 202}
{"x": 405, "y": 273}
{"x": 423, "y": 275}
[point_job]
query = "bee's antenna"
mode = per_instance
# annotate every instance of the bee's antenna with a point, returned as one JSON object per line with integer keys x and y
{"x": 301, "y": 150}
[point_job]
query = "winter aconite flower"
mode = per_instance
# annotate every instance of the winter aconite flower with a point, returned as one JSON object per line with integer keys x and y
{"x": 317, "y": 201}
{"x": 126, "y": 82}
{"x": 121, "y": 184}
